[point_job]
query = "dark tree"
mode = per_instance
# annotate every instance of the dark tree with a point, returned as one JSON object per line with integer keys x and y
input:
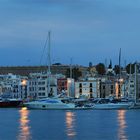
{"x": 100, "y": 68}
{"x": 76, "y": 73}
{"x": 117, "y": 69}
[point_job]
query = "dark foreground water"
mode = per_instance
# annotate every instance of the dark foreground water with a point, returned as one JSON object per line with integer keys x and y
{"x": 16, "y": 124}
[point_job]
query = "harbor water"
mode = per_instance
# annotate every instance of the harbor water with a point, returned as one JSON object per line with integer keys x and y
{"x": 23, "y": 124}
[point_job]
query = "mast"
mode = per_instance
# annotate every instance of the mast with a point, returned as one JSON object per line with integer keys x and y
{"x": 135, "y": 94}
{"x": 70, "y": 80}
{"x": 120, "y": 63}
{"x": 119, "y": 82}
{"x": 130, "y": 77}
{"x": 71, "y": 68}
{"x": 49, "y": 62}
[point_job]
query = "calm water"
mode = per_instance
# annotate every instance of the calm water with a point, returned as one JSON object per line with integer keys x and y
{"x": 25, "y": 124}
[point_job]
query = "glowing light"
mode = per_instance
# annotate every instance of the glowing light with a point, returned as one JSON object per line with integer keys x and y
{"x": 121, "y": 80}
{"x": 117, "y": 89}
{"x": 24, "y": 108}
{"x": 24, "y": 82}
{"x": 69, "y": 81}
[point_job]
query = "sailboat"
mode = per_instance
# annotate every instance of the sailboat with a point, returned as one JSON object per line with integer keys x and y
{"x": 50, "y": 102}
{"x": 110, "y": 104}
{"x": 136, "y": 105}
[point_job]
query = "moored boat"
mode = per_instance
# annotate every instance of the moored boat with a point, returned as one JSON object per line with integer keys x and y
{"x": 7, "y": 103}
{"x": 107, "y": 106}
{"x": 49, "y": 103}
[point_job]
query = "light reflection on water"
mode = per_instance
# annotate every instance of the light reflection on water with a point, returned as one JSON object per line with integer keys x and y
{"x": 70, "y": 124}
{"x": 24, "y": 128}
{"x": 122, "y": 125}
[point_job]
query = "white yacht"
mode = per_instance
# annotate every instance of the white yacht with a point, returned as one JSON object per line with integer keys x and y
{"x": 107, "y": 106}
{"x": 49, "y": 103}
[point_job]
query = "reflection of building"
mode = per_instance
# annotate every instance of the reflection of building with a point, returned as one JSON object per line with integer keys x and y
{"x": 122, "y": 125}
{"x": 70, "y": 124}
{"x": 24, "y": 133}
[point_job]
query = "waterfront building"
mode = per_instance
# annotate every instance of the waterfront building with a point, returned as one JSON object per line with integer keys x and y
{"x": 61, "y": 85}
{"x": 107, "y": 88}
{"x": 86, "y": 88}
{"x": 38, "y": 85}
{"x": 128, "y": 88}
{"x": 66, "y": 86}
{"x": 10, "y": 86}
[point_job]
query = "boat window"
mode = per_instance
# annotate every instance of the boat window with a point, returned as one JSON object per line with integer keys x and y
{"x": 43, "y": 106}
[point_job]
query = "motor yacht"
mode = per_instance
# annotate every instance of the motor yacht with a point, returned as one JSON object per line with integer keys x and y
{"x": 49, "y": 103}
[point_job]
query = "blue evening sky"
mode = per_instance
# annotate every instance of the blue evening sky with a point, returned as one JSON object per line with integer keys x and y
{"x": 84, "y": 30}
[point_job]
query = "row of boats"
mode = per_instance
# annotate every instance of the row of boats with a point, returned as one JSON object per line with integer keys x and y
{"x": 63, "y": 104}
{"x": 69, "y": 104}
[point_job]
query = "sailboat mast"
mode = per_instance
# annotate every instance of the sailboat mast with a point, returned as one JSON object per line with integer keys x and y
{"x": 71, "y": 68}
{"x": 120, "y": 63}
{"x": 49, "y": 61}
{"x": 130, "y": 78}
{"x": 48, "y": 55}
{"x": 135, "y": 95}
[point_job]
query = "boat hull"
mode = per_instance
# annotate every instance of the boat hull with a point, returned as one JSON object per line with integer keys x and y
{"x": 8, "y": 104}
{"x": 49, "y": 106}
{"x": 111, "y": 106}
{"x": 53, "y": 104}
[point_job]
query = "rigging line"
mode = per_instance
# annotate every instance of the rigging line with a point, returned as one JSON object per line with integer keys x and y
{"x": 44, "y": 48}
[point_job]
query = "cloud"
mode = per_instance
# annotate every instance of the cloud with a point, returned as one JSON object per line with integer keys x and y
{"x": 78, "y": 26}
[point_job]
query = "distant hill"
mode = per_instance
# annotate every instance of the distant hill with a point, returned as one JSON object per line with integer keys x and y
{"x": 25, "y": 70}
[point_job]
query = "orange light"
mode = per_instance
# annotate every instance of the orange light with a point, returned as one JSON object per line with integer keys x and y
{"x": 24, "y": 82}
{"x": 117, "y": 89}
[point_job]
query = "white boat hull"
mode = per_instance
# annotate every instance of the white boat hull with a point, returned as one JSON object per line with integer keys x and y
{"x": 34, "y": 105}
{"x": 112, "y": 106}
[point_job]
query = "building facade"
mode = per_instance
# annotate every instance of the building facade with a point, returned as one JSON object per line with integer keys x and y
{"x": 86, "y": 88}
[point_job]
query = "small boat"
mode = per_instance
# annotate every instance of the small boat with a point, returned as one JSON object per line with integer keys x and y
{"x": 7, "y": 103}
{"x": 49, "y": 103}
